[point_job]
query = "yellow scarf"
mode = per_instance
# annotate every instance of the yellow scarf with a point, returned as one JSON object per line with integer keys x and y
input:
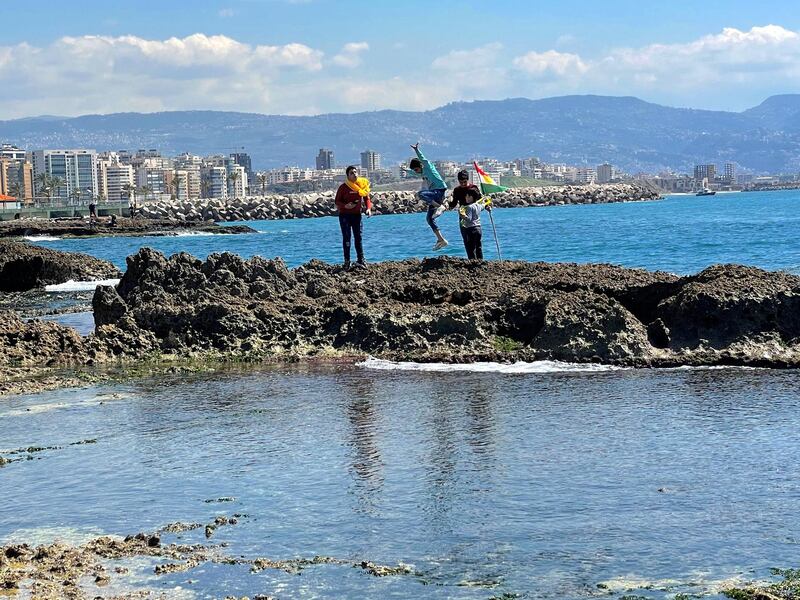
{"x": 361, "y": 186}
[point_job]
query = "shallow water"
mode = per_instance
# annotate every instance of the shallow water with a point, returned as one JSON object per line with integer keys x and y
{"x": 543, "y": 484}
{"x": 681, "y": 234}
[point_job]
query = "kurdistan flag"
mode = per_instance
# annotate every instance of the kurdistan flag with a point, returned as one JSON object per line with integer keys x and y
{"x": 488, "y": 186}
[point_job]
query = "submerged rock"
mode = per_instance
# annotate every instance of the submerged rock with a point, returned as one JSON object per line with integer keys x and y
{"x": 449, "y": 309}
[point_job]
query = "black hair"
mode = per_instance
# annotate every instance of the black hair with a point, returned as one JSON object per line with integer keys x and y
{"x": 415, "y": 164}
{"x": 470, "y": 193}
{"x": 349, "y": 169}
{"x": 463, "y": 175}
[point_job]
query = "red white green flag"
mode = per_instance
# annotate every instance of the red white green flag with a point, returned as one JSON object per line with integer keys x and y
{"x": 488, "y": 186}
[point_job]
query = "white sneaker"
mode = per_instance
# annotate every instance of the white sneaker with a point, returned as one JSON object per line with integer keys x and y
{"x": 439, "y": 211}
{"x": 440, "y": 244}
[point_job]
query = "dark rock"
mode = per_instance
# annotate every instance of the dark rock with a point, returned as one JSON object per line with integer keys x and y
{"x": 451, "y": 309}
{"x": 27, "y": 266}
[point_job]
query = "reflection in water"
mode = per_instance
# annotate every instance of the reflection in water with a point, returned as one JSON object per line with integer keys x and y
{"x": 540, "y": 484}
{"x": 367, "y": 464}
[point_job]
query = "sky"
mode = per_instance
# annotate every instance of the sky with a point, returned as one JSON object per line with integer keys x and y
{"x": 317, "y": 56}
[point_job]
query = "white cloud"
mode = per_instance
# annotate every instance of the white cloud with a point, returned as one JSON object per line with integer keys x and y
{"x": 760, "y": 57}
{"x": 475, "y": 58}
{"x": 102, "y": 74}
{"x": 350, "y": 55}
{"x": 226, "y": 13}
{"x": 551, "y": 63}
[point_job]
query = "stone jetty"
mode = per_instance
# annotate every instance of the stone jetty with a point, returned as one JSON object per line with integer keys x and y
{"x": 295, "y": 206}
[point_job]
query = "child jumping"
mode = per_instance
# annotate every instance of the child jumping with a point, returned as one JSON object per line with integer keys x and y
{"x": 432, "y": 192}
{"x": 470, "y": 221}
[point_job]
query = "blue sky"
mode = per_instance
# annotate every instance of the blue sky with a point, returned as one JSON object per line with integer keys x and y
{"x": 312, "y": 56}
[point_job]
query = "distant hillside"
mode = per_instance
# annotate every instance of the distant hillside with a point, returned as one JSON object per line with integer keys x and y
{"x": 628, "y": 132}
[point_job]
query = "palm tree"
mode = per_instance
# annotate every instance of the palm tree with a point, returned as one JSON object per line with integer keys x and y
{"x": 232, "y": 177}
{"x": 55, "y": 183}
{"x": 44, "y": 185}
{"x": 14, "y": 189}
{"x": 130, "y": 190}
{"x": 146, "y": 189}
{"x": 176, "y": 187}
{"x": 262, "y": 179}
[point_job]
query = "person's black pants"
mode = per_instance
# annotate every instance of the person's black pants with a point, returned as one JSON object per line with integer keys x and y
{"x": 472, "y": 242}
{"x": 351, "y": 222}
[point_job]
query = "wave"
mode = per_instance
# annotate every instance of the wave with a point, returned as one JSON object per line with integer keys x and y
{"x": 41, "y": 238}
{"x": 539, "y": 366}
{"x": 79, "y": 286}
{"x": 191, "y": 233}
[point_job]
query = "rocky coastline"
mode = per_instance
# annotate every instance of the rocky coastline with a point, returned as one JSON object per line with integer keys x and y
{"x": 296, "y": 206}
{"x": 437, "y": 309}
{"x": 27, "y": 266}
{"x": 124, "y": 226}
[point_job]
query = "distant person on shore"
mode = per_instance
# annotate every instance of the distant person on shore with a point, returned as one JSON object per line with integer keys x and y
{"x": 432, "y": 192}
{"x": 352, "y": 198}
{"x": 470, "y": 221}
{"x": 92, "y": 210}
{"x": 131, "y": 206}
{"x": 460, "y": 191}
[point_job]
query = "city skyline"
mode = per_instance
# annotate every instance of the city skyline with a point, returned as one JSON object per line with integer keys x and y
{"x": 293, "y": 57}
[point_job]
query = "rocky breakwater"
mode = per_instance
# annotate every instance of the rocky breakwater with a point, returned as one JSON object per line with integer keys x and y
{"x": 122, "y": 226}
{"x": 297, "y": 206}
{"x": 448, "y": 309}
{"x": 27, "y": 266}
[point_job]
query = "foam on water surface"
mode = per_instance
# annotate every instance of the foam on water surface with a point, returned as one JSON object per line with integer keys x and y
{"x": 542, "y": 366}
{"x": 79, "y": 286}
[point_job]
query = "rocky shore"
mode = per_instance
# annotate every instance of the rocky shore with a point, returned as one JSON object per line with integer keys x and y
{"x": 78, "y": 572}
{"x": 437, "y": 309}
{"x": 453, "y": 310}
{"x": 27, "y": 266}
{"x": 124, "y": 226}
{"x": 321, "y": 204}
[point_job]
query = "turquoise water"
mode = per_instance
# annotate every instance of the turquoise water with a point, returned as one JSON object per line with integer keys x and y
{"x": 543, "y": 485}
{"x": 681, "y": 234}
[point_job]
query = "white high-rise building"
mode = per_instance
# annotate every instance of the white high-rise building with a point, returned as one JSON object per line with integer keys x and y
{"x": 215, "y": 181}
{"x": 237, "y": 184}
{"x": 76, "y": 168}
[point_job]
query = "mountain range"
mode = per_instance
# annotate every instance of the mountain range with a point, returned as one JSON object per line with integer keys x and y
{"x": 583, "y": 130}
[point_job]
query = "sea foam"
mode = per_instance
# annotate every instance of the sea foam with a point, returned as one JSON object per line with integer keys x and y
{"x": 540, "y": 366}
{"x": 41, "y": 238}
{"x": 79, "y": 286}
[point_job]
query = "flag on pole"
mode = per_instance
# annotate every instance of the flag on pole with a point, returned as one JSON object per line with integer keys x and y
{"x": 488, "y": 186}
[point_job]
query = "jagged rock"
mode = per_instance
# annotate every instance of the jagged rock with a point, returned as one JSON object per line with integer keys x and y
{"x": 451, "y": 309}
{"x": 27, "y": 266}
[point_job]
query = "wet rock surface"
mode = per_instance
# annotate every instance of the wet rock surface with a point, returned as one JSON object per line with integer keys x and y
{"x": 27, "y": 266}
{"x": 297, "y": 206}
{"x": 124, "y": 226}
{"x": 449, "y": 309}
{"x": 76, "y": 572}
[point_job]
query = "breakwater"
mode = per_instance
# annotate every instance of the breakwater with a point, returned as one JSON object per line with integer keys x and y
{"x": 321, "y": 204}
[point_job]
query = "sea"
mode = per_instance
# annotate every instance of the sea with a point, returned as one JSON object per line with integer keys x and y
{"x": 526, "y": 480}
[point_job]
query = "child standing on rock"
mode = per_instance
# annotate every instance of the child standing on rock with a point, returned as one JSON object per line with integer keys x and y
{"x": 470, "y": 221}
{"x": 432, "y": 192}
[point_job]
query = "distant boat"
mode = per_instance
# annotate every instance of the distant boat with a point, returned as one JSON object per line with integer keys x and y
{"x": 705, "y": 192}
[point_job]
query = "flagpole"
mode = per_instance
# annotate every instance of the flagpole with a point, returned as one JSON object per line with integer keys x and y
{"x": 494, "y": 230}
